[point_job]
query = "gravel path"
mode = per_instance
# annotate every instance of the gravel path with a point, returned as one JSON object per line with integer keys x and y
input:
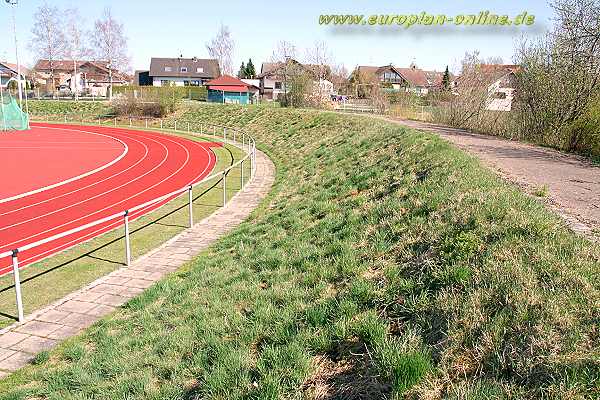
{"x": 572, "y": 182}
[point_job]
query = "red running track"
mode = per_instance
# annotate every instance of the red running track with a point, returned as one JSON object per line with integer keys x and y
{"x": 130, "y": 167}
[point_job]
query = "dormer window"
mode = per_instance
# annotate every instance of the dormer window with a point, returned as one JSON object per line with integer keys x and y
{"x": 168, "y": 69}
{"x": 199, "y": 70}
{"x": 183, "y": 69}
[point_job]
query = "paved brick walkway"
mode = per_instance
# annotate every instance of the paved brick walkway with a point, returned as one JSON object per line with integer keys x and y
{"x": 42, "y": 330}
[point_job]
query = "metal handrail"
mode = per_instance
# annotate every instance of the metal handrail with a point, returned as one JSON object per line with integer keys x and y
{"x": 248, "y": 145}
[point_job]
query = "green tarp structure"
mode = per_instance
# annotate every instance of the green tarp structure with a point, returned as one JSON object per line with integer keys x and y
{"x": 11, "y": 116}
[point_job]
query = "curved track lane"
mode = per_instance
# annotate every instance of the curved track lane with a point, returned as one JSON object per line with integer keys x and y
{"x": 154, "y": 164}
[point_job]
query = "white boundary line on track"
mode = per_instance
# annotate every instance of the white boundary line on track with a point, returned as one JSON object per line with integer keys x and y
{"x": 43, "y": 189}
{"x": 111, "y": 226}
{"x": 101, "y": 194}
{"x": 85, "y": 187}
{"x": 166, "y": 156}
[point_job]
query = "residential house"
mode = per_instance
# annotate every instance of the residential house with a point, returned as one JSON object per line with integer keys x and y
{"x": 253, "y": 87}
{"x": 272, "y": 78}
{"x": 182, "y": 71}
{"x": 9, "y": 73}
{"x": 142, "y": 78}
{"x": 92, "y": 77}
{"x": 228, "y": 90}
{"x": 411, "y": 79}
{"x": 502, "y": 83}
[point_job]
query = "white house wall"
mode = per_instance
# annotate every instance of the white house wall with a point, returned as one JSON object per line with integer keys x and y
{"x": 156, "y": 80}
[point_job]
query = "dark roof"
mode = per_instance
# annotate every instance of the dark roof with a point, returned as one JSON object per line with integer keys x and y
{"x": 413, "y": 76}
{"x": 210, "y": 68}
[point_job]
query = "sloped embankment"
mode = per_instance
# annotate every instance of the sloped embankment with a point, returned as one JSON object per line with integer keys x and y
{"x": 385, "y": 262}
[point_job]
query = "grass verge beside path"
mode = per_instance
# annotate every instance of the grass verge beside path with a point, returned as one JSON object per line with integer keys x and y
{"x": 385, "y": 264}
{"x": 53, "y": 278}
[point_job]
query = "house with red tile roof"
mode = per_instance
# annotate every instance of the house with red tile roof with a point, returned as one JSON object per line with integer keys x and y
{"x": 411, "y": 79}
{"x": 84, "y": 75}
{"x": 8, "y": 73}
{"x": 273, "y": 75}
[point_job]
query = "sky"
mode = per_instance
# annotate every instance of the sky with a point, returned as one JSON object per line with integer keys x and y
{"x": 171, "y": 28}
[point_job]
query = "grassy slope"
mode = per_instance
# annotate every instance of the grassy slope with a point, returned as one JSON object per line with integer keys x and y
{"x": 72, "y": 109}
{"x": 385, "y": 262}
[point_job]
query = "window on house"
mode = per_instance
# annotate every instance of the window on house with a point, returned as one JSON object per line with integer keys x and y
{"x": 186, "y": 83}
{"x": 196, "y": 83}
{"x": 168, "y": 69}
{"x": 165, "y": 82}
{"x": 278, "y": 85}
{"x": 183, "y": 69}
{"x": 199, "y": 70}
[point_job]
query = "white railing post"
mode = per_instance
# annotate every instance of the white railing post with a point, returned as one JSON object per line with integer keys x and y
{"x": 241, "y": 174}
{"x": 17, "y": 278}
{"x": 224, "y": 188}
{"x": 129, "y": 121}
{"x": 188, "y": 127}
{"x": 127, "y": 244}
{"x": 252, "y": 162}
{"x": 161, "y": 123}
{"x": 224, "y": 134}
{"x": 146, "y": 122}
{"x": 191, "y": 206}
{"x": 115, "y": 120}
{"x": 175, "y": 124}
{"x": 234, "y": 135}
{"x": 201, "y": 129}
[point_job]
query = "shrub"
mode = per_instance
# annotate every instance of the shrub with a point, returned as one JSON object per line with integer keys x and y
{"x": 160, "y": 104}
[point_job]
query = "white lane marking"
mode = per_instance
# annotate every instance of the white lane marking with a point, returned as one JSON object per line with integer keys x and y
{"x": 97, "y": 211}
{"x": 43, "y": 189}
{"x": 90, "y": 185}
{"x": 166, "y": 156}
{"x": 113, "y": 225}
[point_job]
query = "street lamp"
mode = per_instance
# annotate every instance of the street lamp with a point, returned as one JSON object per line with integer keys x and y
{"x": 19, "y": 81}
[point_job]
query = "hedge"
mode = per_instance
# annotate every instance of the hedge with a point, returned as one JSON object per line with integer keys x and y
{"x": 181, "y": 92}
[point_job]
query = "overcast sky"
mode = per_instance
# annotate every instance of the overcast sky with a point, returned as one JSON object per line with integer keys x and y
{"x": 170, "y": 28}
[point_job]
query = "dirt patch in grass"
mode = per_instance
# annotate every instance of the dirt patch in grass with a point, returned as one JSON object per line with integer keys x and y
{"x": 346, "y": 373}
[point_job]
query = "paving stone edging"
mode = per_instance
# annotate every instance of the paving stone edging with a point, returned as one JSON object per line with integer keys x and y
{"x": 45, "y": 328}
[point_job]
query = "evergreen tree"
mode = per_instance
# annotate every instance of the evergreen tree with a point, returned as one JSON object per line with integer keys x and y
{"x": 250, "y": 71}
{"x": 446, "y": 80}
{"x": 242, "y": 73}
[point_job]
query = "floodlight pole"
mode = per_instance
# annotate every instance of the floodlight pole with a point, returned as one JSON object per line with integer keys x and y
{"x": 14, "y": 20}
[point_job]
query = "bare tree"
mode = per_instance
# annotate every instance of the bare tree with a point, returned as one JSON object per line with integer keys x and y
{"x": 76, "y": 48}
{"x": 48, "y": 41}
{"x": 339, "y": 78}
{"x": 110, "y": 43}
{"x": 221, "y": 48}
{"x": 284, "y": 55}
{"x": 320, "y": 56}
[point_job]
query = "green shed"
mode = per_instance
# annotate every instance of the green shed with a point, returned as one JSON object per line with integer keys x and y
{"x": 229, "y": 90}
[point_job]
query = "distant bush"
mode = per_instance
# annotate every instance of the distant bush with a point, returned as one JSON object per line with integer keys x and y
{"x": 157, "y": 105}
{"x": 584, "y": 134}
